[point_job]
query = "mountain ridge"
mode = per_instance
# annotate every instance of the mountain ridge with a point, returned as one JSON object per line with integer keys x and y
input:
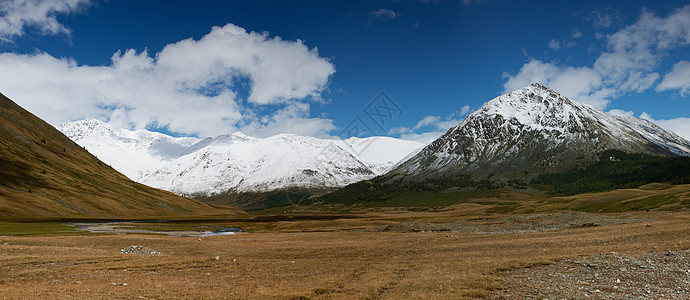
{"x": 238, "y": 162}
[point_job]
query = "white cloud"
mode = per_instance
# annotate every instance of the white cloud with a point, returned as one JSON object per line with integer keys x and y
{"x": 293, "y": 118}
{"x": 17, "y": 15}
{"x": 474, "y": 2}
{"x": 576, "y": 33}
{"x": 581, "y": 83}
{"x": 438, "y": 125}
{"x": 646, "y": 116}
{"x": 464, "y": 110}
{"x": 554, "y": 44}
{"x": 680, "y": 126}
{"x": 678, "y": 78}
{"x": 435, "y": 122}
{"x": 629, "y": 64}
{"x": 622, "y": 113}
{"x": 531, "y": 72}
{"x": 424, "y": 138}
{"x": 605, "y": 17}
{"x": 383, "y": 14}
{"x": 190, "y": 87}
{"x": 399, "y": 130}
{"x": 428, "y": 120}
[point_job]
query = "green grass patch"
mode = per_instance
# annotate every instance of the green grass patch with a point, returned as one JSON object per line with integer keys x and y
{"x": 41, "y": 228}
{"x": 430, "y": 192}
{"x": 436, "y": 199}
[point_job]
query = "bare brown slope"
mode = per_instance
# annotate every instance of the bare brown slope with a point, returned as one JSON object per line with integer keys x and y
{"x": 44, "y": 173}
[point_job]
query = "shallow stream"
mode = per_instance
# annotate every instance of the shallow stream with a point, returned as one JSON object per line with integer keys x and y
{"x": 134, "y": 227}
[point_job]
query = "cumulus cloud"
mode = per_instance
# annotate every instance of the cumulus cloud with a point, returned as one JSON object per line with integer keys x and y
{"x": 17, "y": 15}
{"x": 580, "y": 83}
{"x": 293, "y": 118}
{"x": 190, "y": 87}
{"x": 677, "y": 79}
{"x": 629, "y": 63}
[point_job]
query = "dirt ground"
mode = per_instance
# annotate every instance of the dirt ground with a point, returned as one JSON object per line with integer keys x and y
{"x": 396, "y": 256}
{"x": 657, "y": 275}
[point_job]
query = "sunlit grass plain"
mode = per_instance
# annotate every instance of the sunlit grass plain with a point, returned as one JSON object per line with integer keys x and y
{"x": 324, "y": 253}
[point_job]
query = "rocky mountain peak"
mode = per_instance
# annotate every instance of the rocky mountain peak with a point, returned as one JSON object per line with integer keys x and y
{"x": 531, "y": 130}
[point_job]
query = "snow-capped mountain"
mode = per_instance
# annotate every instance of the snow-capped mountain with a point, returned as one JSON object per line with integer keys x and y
{"x": 237, "y": 162}
{"x": 532, "y": 130}
{"x": 133, "y": 153}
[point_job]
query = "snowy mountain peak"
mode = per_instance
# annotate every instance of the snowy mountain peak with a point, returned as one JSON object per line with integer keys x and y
{"x": 533, "y": 130}
{"x": 230, "y": 138}
{"x": 536, "y": 106}
{"x": 80, "y": 129}
{"x": 91, "y": 122}
{"x": 241, "y": 136}
{"x": 132, "y": 153}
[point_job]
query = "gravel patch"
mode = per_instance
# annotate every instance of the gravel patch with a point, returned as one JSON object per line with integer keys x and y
{"x": 140, "y": 250}
{"x": 663, "y": 275}
{"x": 517, "y": 223}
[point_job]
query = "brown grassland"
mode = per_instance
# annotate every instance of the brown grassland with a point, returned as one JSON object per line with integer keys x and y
{"x": 370, "y": 253}
{"x": 44, "y": 174}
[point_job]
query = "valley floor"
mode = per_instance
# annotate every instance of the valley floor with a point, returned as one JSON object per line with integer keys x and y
{"x": 379, "y": 255}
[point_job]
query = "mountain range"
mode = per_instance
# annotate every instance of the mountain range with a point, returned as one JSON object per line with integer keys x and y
{"x": 519, "y": 135}
{"x": 236, "y": 162}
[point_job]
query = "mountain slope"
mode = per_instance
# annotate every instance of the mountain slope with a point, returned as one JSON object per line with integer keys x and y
{"x": 239, "y": 163}
{"x": 534, "y": 130}
{"x": 44, "y": 173}
{"x": 133, "y": 153}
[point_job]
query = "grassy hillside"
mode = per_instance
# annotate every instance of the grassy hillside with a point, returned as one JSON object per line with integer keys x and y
{"x": 616, "y": 170}
{"x": 381, "y": 191}
{"x": 253, "y": 201}
{"x": 44, "y": 173}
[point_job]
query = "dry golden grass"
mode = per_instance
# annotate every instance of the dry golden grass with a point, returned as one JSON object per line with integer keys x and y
{"x": 297, "y": 260}
{"x": 44, "y": 173}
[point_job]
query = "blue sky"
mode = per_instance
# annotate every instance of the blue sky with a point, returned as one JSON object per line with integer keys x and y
{"x": 314, "y": 67}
